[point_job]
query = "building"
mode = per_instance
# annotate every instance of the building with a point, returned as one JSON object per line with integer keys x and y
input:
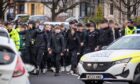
{"x": 31, "y": 7}
{"x": 37, "y": 7}
{"x": 111, "y": 12}
{"x": 9, "y": 12}
{"x": 86, "y": 9}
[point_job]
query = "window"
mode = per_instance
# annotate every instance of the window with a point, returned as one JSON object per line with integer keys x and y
{"x": 82, "y": 9}
{"x": 32, "y": 9}
{"x": 21, "y": 8}
{"x": 111, "y": 8}
{"x": 132, "y": 43}
{"x": 135, "y": 10}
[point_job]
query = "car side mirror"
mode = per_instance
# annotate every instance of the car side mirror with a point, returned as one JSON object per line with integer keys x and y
{"x": 104, "y": 47}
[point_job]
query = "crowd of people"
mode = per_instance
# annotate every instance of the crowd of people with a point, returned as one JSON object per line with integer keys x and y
{"x": 47, "y": 46}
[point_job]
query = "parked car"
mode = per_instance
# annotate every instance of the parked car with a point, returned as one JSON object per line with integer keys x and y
{"x": 120, "y": 61}
{"x": 41, "y": 18}
{"x": 12, "y": 69}
{"x": 23, "y": 17}
{"x": 66, "y": 24}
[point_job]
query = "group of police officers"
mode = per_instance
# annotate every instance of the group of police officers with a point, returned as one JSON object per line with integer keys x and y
{"x": 47, "y": 46}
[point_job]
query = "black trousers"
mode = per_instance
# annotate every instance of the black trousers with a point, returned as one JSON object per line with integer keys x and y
{"x": 74, "y": 59}
{"x": 47, "y": 61}
{"x": 26, "y": 54}
{"x": 38, "y": 57}
{"x": 57, "y": 64}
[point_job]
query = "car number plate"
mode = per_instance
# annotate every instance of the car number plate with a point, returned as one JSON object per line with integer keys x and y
{"x": 98, "y": 77}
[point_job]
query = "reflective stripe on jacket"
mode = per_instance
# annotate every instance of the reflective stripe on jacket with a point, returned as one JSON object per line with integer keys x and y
{"x": 128, "y": 31}
{"x": 15, "y": 36}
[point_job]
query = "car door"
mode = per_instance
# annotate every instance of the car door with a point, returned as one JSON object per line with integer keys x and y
{"x": 7, "y": 64}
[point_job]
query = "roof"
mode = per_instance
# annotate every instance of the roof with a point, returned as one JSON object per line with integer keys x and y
{"x": 31, "y": 0}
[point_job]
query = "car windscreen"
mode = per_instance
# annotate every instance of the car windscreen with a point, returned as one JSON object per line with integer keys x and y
{"x": 24, "y": 18}
{"x": 6, "y": 55}
{"x": 130, "y": 43}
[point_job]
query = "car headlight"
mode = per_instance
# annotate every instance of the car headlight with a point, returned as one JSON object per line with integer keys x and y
{"x": 122, "y": 61}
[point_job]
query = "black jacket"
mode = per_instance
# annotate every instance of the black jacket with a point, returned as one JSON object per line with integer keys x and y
{"x": 73, "y": 41}
{"x": 40, "y": 38}
{"x": 116, "y": 34}
{"x": 105, "y": 36}
{"x": 92, "y": 39}
{"x": 29, "y": 37}
{"x": 81, "y": 36}
{"x": 57, "y": 43}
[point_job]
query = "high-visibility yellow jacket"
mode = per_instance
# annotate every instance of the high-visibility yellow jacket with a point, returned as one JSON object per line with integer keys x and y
{"x": 129, "y": 31}
{"x": 16, "y": 38}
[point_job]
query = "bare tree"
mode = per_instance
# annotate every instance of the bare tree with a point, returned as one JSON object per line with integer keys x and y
{"x": 3, "y": 7}
{"x": 60, "y": 6}
{"x": 126, "y": 7}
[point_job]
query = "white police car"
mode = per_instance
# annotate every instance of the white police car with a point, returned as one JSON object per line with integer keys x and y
{"x": 12, "y": 70}
{"x": 119, "y": 62}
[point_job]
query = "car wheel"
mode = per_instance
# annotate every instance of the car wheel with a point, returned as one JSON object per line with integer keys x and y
{"x": 132, "y": 83}
{"x": 98, "y": 82}
{"x": 87, "y": 82}
{"x": 137, "y": 72}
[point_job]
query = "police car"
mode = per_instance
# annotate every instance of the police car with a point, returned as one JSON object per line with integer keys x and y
{"x": 12, "y": 69}
{"x": 118, "y": 62}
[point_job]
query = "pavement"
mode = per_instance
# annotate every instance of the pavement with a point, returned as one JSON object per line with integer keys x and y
{"x": 64, "y": 78}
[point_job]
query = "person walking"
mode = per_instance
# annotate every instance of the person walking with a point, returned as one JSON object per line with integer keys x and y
{"x": 57, "y": 46}
{"x": 73, "y": 47}
{"x": 40, "y": 42}
{"x": 91, "y": 38}
{"x": 105, "y": 35}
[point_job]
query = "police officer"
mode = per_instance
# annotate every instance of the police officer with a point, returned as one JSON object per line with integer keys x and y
{"x": 14, "y": 35}
{"x": 57, "y": 46}
{"x": 130, "y": 28}
{"x": 92, "y": 38}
